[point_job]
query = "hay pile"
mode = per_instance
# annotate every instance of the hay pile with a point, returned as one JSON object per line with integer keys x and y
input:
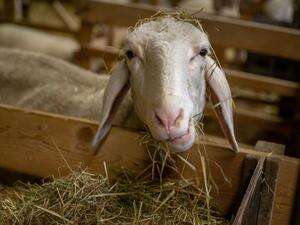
{"x": 130, "y": 198}
{"x": 84, "y": 198}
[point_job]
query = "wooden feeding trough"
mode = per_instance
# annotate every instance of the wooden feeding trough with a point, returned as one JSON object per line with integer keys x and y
{"x": 40, "y": 144}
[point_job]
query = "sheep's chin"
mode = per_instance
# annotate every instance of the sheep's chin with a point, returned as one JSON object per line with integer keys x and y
{"x": 184, "y": 143}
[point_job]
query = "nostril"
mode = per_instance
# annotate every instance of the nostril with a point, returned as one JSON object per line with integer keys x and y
{"x": 160, "y": 121}
{"x": 169, "y": 119}
{"x": 179, "y": 115}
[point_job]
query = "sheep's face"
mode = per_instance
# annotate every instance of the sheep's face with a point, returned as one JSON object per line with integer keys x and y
{"x": 167, "y": 68}
{"x": 166, "y": 61}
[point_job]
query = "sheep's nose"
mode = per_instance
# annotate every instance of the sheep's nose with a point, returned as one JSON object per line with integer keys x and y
{"x": 169, "y": 119}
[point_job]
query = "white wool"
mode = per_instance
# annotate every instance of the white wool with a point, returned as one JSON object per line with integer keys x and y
{"x": 36, "y": 81}
{"x": 280, "y": 10}
{"x": 206, "y": 6}
{"x": 233, "y": 11}
{"x": 24, "y": 38}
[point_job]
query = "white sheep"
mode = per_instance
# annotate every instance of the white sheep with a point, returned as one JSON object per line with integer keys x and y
{"x": 278, "y": 10}
{"x": 25, "y": 38}
{"x": 167, "y": 69}
{"x": 36, "y": 81}
{"x": 208, "y": 6}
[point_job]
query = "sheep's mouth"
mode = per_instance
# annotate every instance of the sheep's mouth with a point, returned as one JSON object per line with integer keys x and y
{"x": 185, "y": 135}
{"x": 183, "y": 142}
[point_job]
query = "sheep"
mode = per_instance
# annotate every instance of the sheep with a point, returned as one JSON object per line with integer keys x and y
{"x": 278, "y": 10}
{"x": 166, "y": 69}
{"x": 206, "y": 6}
{"x": 24, "y": 38}
{"x": 160, "y": 84}
{"x": 228, "y": 8}
{"x": 39, "y": 82}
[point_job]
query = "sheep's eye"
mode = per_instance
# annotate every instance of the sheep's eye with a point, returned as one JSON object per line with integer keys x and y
{"x": 203, "y": 52}
{"x": 129, "y": 54}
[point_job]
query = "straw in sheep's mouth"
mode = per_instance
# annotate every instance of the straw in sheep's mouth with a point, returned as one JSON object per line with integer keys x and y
{"x": 185, "y": 135}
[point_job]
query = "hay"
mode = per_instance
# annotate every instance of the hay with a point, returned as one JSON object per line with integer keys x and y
{"x": 131, "y": 198}
{"x": 84, "y": 198}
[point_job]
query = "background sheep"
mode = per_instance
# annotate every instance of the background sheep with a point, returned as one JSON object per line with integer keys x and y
{"x": 36, "y": 81}
{"x": 19, "y": 37}
{"x": 225, "y": 8}
{"x": 165, "y": 69}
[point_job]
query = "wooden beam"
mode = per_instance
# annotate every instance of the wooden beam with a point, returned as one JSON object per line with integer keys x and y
{"x": 40, "y": 144}
{"x": 64, "y": 16}
{"x": 9, "y": 10}
{"x": 256, "y": 37}
{"x": 44, "y": 27}
{"x": 269, "y": 182}
{"x": 268, "y": 191}
{"x": 223, "y": 31}
{"x": 262, "y": 83}
{"x": 262, "y": 120}
{"x": 247, "y": 213}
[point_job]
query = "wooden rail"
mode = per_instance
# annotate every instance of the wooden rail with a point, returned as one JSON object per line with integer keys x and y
{"x": 40, "y": 144}
{"x": 43, "y": 27}
{"x": 222, "y": 31}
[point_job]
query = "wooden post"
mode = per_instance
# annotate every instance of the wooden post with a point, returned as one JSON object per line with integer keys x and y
{"x": 64, "y": 16}
{"x": 257, "y": 204}
{"x": 85, "y": 33}
{"x": 268, "y": 191}
{"x": 84, "y": 37}
{"x": 247, "y": 212}
{"x": 9, "y": 10}
{"x": 269, "y": 184}
{"x": 295, "y": 146}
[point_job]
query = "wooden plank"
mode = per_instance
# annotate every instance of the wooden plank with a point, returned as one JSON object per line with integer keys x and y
{"x": 262, "y": 120}
{"x": 28, "y": 141}
{"x": 248, "y": 209}
{"x": 85, "y": 34}
{"x": 9, "y": 10}
{"x": 270, "y": 147}
{"x": 269, "y": 184}
{"x": 116, "y": 14}
{"x": 248, "y": 35}
{"x": 64, "y": 16}
{"x": 268, "y": 191}
{"x": 253, "y": 36}
{"x": 262, "y": 83}
{"x": 285, "y": 197}
{"x": 44, "y": 27}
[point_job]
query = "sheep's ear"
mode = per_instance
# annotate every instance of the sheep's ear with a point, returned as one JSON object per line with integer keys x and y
{"x": 116, "y": 89}
{"x": 221, "y": 97}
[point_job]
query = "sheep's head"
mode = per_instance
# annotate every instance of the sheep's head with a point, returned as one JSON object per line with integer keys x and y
{"x": 166, "y": 66}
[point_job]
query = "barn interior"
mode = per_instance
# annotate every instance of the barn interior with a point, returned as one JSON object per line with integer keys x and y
{"x": 256, "y": 43}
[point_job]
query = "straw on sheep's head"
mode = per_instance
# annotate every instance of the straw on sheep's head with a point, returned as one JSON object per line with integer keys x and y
{"x": 167, "y": 67}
